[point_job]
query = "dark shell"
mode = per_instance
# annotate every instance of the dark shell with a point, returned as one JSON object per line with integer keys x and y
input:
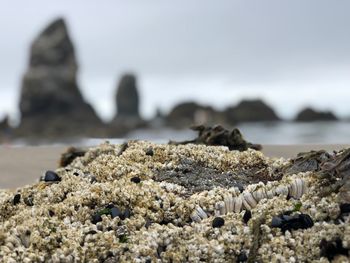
{"x": 135, "y": 180}
{"x": 294, "y": 222}
{"x": 218, "y": 222}
{"x": 51, "y": 176}
{"x": 247, "y": 216}
{"x": 16, "y": 199}
{"x": 330, "y": 249}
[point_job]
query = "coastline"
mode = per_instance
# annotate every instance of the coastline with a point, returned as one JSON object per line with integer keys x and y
{"x": 20, "y": 166}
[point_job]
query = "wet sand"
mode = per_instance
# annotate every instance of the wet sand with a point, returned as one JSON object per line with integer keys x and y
{"x": 20, "y": 166}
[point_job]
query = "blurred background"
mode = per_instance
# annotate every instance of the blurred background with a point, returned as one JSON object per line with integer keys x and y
{"x": 81, "y": 71}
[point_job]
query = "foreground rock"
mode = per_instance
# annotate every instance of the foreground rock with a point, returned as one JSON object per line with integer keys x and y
{"x": 148, "y": 202}
{"x": 250, "y": 111}
{"x": 51, "y": 104}
{"x": 308, "y": 114}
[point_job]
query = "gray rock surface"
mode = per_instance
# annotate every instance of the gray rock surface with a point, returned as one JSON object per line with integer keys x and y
{"x": 50, "y": 101}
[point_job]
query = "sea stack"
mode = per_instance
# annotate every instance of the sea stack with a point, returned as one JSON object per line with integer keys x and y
{"x": 4, "y": 123}
{"x": 127, "y": 98}
{"x": 250, "y": 111}
{"x": 51, "y": 104}
{"x": 191, "y": 113}
{"x": 5, "y": 128}
{"x": 309, "y": 115}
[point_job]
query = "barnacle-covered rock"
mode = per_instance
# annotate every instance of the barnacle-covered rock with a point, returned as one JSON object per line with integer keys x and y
{"x": 179, "y": 203}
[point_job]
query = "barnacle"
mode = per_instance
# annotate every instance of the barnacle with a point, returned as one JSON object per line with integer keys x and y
{"x": 168, "y": 216}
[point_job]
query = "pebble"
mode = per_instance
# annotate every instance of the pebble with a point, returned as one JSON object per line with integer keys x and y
{"x": 51, "y": 176}
{"x": 218, "y": 222}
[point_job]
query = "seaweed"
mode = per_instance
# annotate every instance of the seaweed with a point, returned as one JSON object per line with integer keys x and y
{"x": 219, "y": 136}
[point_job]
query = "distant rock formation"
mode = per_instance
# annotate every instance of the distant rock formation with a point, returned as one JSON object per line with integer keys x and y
{"x": 309, "y": 114}
{"x": 4, "y": 125}
{"x": 190, "y": 113}
{"x": 5, "y": 129}
{"x": 127, "y": 97}
{"x": 250, "y": 111}
{"x": 50, "y": 101}
{"x": 128, "y": 116}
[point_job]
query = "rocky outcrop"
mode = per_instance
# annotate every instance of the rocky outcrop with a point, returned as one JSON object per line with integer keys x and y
{"x": 309, "y": 114}
{"x": 127, "y": 97}
{"x": 50, "y": 102}
{"x": 128, "y": 116}
{"x": 190, "y": 113}
{"x": 5, "y": 130}
{"x": 250, "y": 111}
{"x": 4, "y": 123}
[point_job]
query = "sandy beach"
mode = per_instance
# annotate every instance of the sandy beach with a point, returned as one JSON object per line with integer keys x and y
{"x": 20, "y": 166}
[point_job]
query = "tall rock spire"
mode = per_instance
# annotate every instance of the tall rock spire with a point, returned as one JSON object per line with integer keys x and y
{"x": 50, "y": 99}
{"x": 127, "y": 97}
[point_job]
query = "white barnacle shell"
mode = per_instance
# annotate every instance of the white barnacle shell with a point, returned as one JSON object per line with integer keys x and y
{"x": 248, "y": 200}
{"x": 238, "y": 204}
{"x": 270, "y": 194}
{"x": 304, "y": 187}
{"x": 282, "y": 190}
{"x": 201, "y": 212}
{"x": 229, "y": 205}
{"x": 195, "y": 217}
{"x": 293, "y": 189}
{"x": 300, "y": 183}
{"x": 217, "y": 209}
{"x": 259, "y": 194}
{"x": 14, "y": 241}
{"x": 237, "y": 192}
{"x": 222, "y": 208}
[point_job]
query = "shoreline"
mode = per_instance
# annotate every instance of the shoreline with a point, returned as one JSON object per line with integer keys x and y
{"x": 20, "y": 166}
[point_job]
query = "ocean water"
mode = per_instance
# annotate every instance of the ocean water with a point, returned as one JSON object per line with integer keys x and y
{"x": 279, "y": 133}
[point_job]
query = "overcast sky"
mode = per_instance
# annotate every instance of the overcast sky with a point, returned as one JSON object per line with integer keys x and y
{"x": 291, "y": 53}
